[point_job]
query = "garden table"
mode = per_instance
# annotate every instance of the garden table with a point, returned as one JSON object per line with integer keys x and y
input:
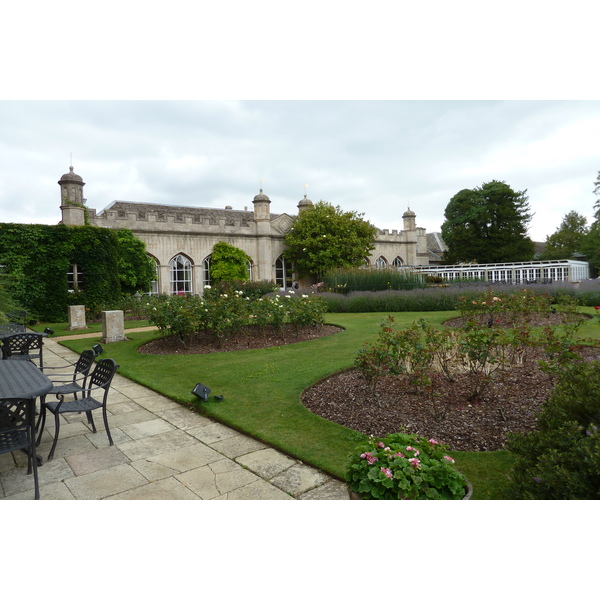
{"x": 22, "y": 379}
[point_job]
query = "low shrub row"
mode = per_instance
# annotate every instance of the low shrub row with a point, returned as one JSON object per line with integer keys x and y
{"x": 452, "y": 296}
{"x": 226, "y": 314}
{"x": 372, "y": 280}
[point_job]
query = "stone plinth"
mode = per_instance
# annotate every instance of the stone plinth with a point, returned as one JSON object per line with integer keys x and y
{"x": 77, "y": 317}
{"x": 113, "y": 327}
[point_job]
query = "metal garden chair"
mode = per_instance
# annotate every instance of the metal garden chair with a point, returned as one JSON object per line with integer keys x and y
{"x": 17, "y": 432}
{"x": 65, "y": 384}
{"x": 10, "y": 328}
{"x": 98, "y": 385}
{"x": 23, "y": 346}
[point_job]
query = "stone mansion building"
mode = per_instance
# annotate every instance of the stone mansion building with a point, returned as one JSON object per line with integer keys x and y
{"x": 180, "y": 239}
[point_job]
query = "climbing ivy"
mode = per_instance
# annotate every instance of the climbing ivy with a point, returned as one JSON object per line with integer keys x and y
{"x": 38, "y": 258}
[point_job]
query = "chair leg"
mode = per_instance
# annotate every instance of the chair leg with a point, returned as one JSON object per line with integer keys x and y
{"x": 105, "y": 417}
{"x": 90, "y": 419}
{"x": 56, "y": 431}
{"x": 41, "y": 420}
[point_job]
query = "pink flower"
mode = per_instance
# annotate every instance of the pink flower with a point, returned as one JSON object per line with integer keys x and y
{"x": 410, "y": 448}
{"x": 415, "y": 462}
{"x": 369, "y": 457}
{"x": 399, "y": 454}
{"x": 432, "y": 441}
{"x": 387, "y": 473}
{"x": 449, "y": 458}
{"x": 381, "y": 444}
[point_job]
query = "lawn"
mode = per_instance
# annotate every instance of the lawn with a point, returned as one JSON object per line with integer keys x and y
{"x": 262, "y": 390}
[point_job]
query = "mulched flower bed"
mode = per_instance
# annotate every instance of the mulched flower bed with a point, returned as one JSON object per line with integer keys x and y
{"x": 205, "y": 343}
{"x": 510, "y": 404}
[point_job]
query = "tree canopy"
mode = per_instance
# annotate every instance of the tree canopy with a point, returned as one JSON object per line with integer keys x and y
{"x": 324, "y": 237}
{"x": 228, "y": 263}
{"x": 567, "y": 239}
{"x": 487, "y": 224}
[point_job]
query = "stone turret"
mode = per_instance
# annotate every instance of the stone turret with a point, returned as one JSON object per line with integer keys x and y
{"x": 264, "y": 242}
{"x": 409, "y": 220}
{"x": 304, "y": 204}
{"x": 262, "y": 210}
{"x": 72, "y": 200}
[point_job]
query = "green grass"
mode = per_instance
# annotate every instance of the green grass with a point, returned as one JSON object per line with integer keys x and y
{"x": 262, "y": 390}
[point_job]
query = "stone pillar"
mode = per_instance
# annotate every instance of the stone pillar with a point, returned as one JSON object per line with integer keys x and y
{"x": 113, "y": 326}
{"x": 77, "y": 317}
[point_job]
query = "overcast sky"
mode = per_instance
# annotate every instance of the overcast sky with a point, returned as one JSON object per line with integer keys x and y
{"x": 374, "y": 157}
{"x": 374, "y": 110}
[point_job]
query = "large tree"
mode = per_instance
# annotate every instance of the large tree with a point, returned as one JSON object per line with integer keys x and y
{"x": 487, "y": 224}
{"x": 567, "y": 239}
{"x": 324, "y": 237}
{"x": 590, "y": 246}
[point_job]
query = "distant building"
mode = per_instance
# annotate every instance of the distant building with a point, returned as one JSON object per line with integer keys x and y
{"x": 533, "y": 271}
{"x": 180, "y": 239}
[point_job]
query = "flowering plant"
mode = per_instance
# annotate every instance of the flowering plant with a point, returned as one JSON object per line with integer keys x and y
{"x": 403, "y": 466}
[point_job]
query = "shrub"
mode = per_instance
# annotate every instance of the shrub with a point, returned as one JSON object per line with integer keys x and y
{"x": 373, "y": 280}
{"x": 560, "y": 460}
{"x": 227, "y": 314}
{"x": 403, "y": 466}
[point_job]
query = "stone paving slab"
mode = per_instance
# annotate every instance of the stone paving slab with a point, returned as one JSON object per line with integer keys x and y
{"x": 162, "y": 451}
{"x": 266, "y": 463}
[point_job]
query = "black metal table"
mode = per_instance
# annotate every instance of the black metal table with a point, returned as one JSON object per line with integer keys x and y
{"x": 22, "y": 379}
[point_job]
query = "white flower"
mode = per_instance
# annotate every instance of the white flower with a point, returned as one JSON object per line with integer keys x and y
{"x": 207, "y": 287}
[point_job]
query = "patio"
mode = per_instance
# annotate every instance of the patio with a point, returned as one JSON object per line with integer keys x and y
{"x": 161, "y": 451}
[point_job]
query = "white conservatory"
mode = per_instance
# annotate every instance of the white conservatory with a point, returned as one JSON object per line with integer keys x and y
{"x": 534, "y": 271}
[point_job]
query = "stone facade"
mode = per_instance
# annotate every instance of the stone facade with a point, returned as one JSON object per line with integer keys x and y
{"x": 185, "y": 236}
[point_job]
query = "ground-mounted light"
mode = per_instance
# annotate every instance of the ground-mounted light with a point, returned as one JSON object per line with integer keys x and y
{"x": 98, "y": 350}
{"x": 201, "y": 391}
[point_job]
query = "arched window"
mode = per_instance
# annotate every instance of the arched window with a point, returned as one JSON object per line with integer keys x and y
{"x": 154, "y": 287}
{"x": 381, "y": 263}
{"x": 397, "y": 262}
{"x": 283, "y": 273}
{"x": 206, "y": 280}
{"x": 181, "y": 275}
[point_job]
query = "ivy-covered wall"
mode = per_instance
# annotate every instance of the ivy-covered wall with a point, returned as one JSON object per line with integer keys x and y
{"x": 37, "y": 259}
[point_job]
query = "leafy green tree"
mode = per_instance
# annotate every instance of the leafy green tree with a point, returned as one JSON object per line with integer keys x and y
{"x": 567, "y": 239}
{"x": 488, "y": 224}
{"x": 136, "y": 268}
{"x": 325, "y": 237}
{"x": 590, "y": 246}
{"x": 228, "y": 263}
